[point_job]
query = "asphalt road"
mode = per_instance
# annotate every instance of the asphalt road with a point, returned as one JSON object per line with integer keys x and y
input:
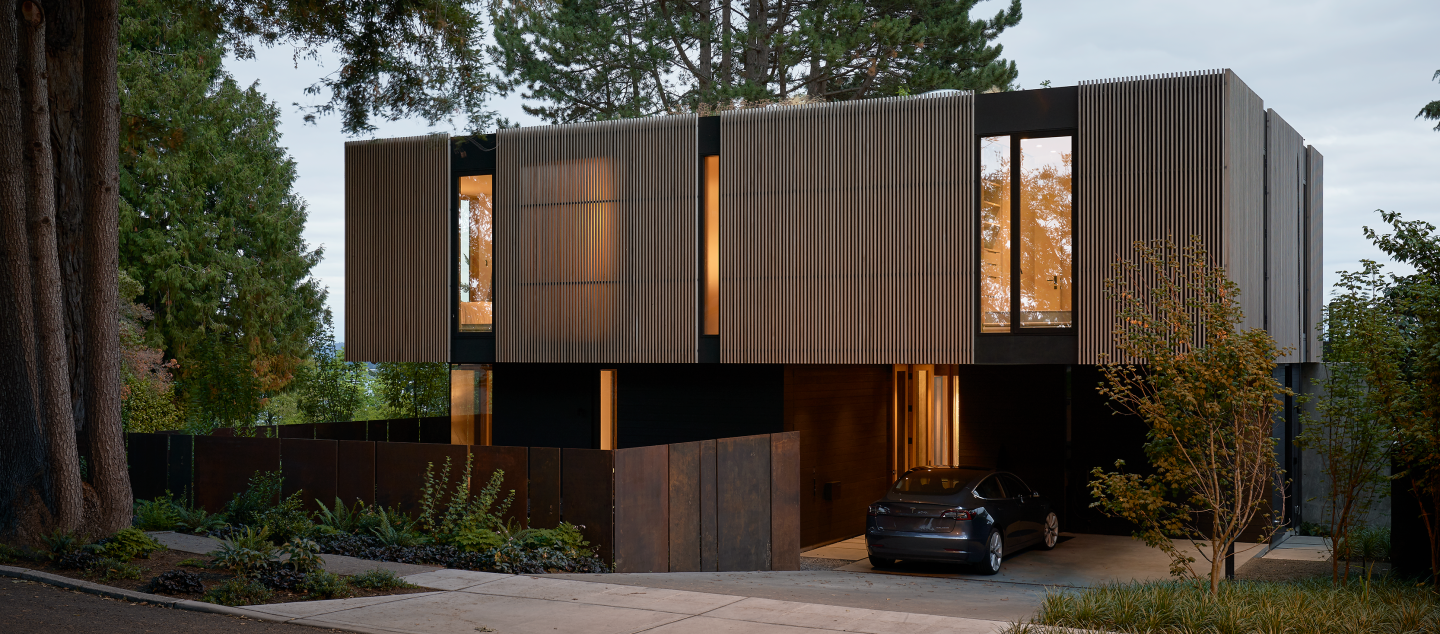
{"x": 27, "y": 606}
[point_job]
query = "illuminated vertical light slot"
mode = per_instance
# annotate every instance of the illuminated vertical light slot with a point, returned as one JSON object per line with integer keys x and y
{"x": 607, "y": 409}
{"x": 470, "y": 404}
{"x": 1045, "y": 230}
{"x": 955, "y": 420}
{"x": 995, "y": 234}
{"x": 937, "y": 447}
{"x": 712, "y": 245}
{"x": 477, "y": 261}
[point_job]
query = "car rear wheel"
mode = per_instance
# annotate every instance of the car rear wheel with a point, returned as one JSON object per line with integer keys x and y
{"x": 1052, "y": 532}
{"x": 994, "y": 552}
{"x": 881, "y": 562}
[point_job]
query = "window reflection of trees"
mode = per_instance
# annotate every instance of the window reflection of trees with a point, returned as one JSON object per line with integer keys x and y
{"x": 476, "y": 255}
{"x": 1045, "y": 239}
{"x": 995, "y": 234}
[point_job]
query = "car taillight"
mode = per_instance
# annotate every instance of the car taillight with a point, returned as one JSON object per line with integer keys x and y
{"x": 877, "y": 509}
{"x": 958, "y": 514}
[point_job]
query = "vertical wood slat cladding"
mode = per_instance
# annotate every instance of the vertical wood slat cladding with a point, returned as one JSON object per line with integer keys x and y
{"x": 847, "y": 232}
{"x": 1284, "y": 208}
{"x": 597, "y": 224}
{"x": 1314, "y": 254}
{"x": 397, "y": 249}
{"x": 1165, "y": 157}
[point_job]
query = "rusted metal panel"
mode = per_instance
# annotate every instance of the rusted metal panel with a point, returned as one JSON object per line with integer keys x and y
{"x": 742, "y": 469}
{"x": 785, "y": 501}
{"x": 180, "y": 467}
{"x": 400, "y": 471}
{"x": 404, "y": 430}
{"x": 600, "y": 227}
{"x": 146, "y": 455}
{"x": 515, "y": 462}
{"x": 684, "y": 507}
{"x": 397, "y": 249}
{"x": 305, "y": 430}
{"x": 348, "y": 430}
{"x": 642, "y": 509}
{"x": 1314, "y": 256}
{"x": 224, "y": 466}
{"x": 544, "y": 487}
{"x": 709, "y": 524}
{"x": 862, "y": 209}
{"x": 308, "y": 466}
{"x": 355, "y": 471}
{"x": 1285, "y": 219}
{"x": 587, "y": 489}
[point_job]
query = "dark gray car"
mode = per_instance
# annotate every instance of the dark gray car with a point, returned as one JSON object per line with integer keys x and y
{"x": 960, "y": 515}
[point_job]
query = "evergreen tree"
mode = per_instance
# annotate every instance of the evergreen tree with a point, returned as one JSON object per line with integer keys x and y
{"x": 1431, "y": 110}
{"x": 209, "y": 222}
{"x": 604, "y": 59}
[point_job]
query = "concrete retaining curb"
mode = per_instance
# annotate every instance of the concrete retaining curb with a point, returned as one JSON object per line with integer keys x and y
{"x": 133, "y": 596}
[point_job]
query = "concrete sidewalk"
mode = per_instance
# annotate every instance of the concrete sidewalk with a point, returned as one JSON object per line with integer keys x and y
{"x": 487, "y": 602}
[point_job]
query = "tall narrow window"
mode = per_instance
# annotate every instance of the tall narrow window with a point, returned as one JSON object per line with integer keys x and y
{"x": 470, "y": 393}
{"x": 1045, "y": 214}
{"x": 712, "y": 245}
{"x": 995, "y": 234}
{"x": 608, "y": 409}
{"x": 477, "y": 261}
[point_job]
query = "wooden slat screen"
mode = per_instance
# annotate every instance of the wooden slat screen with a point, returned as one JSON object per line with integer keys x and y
{"x": 1284, "y": 210}
{"x": 1151, "y": 164}
{"x": 397, "y": 249}
{"x": 597, "y": 232}
{"x": 1314, "y": 253}
{"x": 847, "y": 232}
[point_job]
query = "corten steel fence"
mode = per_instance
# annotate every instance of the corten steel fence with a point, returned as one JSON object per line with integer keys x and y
{"x": 715, "y": 505}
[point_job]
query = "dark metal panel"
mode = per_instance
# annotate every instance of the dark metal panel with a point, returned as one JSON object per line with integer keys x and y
{"x": 785, "y": 501}
{"x": 400, "y": 471}
{"x": 377, "y": 431}
{"x": 709, "y": 524}
{"x": 544, "y": 487}
{"x": 397, "y": 237}
{"x": 435, "y": 430}
{"x": 355, "y": 471}
{"x": 348, "y": 430}
{"x": 742, "y": 470}
{"x": 309, "y": 466}
{"x": 642, "y": 509}
{"x": 1022, "y": 349}
{"x": 587, "y": 491}
{"x": 684, "y": 496}
{"x": 1026, "y": 110}
{"x": 146, "y": 457}
{"x": 404, "y": 430}
{"x": 305, "y": 430}
{"x": 515, "y": 462}
{"x": 224, "y": 466}
{"x": 180, "y": 467}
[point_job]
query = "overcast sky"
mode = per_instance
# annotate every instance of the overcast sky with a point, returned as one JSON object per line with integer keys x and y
{"x": 1348, "y": 76}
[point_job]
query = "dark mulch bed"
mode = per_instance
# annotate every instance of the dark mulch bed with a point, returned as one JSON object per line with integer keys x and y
{"x": 162, "y": 561}
{"x": 1258, "y": 569}
{"x": 821, "y": 563}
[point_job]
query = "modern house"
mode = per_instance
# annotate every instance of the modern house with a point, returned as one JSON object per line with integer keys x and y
{"x": 905, "y": 281}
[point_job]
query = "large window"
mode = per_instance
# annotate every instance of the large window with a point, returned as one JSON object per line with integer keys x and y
{"x": 477, "y": 254}
{"x": 1026, "y": 213}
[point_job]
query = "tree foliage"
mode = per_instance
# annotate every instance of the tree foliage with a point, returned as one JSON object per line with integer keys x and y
{"x": 1431, "y": 111}
{"x": 414, "y": 390}
{"x": 604, "y": 59}
{"x": 1208, "y": 396}
{"x": 329, "y": 388}
{"x": 148, "y": 402}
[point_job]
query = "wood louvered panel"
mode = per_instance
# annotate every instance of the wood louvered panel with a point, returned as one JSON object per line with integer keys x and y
{"x": 397, "y": 249}
{"x": 1151, "y": 154}
{"x": 1314, "y": 256}
{"x": 1284, "y": 200}
{"x": 597, "y": 227}
{"x": 847, "y": 232}
{"x": 1244, "y": 183}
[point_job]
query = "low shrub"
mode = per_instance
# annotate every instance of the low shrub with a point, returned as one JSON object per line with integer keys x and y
{"x": 282, "y": 579}
{"x": 60, "y": 543}
{"x": 108, "y": 568}
{"x": 10, "y": 554}
{"x": 238, "y": 591}
{"x": 260, "y": 505}
{"x": 302, "y": 555}
{"x": 326, "y": 585}
{"x": 197, "y": 520}
{"x": 176, "y": 582}
{"x": 158, "y": 514}
{"x": 127, "y": 544}
{"x": 194, "y": 563}
{"x": 246, "y": 552}
{"x": 395, "y": 529}
{"x": 379, "y": 579}
{"x": 357, "y": 519}
{"x": 77, "y": 560}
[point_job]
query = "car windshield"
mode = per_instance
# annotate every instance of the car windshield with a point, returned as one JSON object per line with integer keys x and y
{"x": 935, "y": 481}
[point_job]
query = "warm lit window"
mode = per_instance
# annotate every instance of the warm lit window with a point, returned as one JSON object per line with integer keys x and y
{"x": 712, "y": 245}
{"x": 608, "y": 410}
{"x": 1026, "y": 258}
{"x": 471, "y": 388}
{"x": 477, "y": 254}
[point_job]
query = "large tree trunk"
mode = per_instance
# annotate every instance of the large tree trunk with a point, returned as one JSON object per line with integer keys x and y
{"x": 21, "y": 453}
{"x": 65, "y": 493}
{"x": 109, "y": 476}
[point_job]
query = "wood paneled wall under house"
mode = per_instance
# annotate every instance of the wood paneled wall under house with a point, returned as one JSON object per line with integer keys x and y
{"x": 397, "y": 249}
{"x": 1166, "y": 157}
{"x": 847, "y": 232}
{"x": 1284, "y": 218}
{"x": 597, "y": 226}
{"x": 1314, "y": 256}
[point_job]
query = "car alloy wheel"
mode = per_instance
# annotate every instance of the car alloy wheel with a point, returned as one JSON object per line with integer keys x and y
{"x": 1052, "y": 531}
{"x": 995, "y": 552}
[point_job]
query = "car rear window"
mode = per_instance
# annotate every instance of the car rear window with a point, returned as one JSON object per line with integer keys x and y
{"x": 935, "y": 481}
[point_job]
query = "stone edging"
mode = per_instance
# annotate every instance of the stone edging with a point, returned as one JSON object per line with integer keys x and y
{"x": 133, "y": 596}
